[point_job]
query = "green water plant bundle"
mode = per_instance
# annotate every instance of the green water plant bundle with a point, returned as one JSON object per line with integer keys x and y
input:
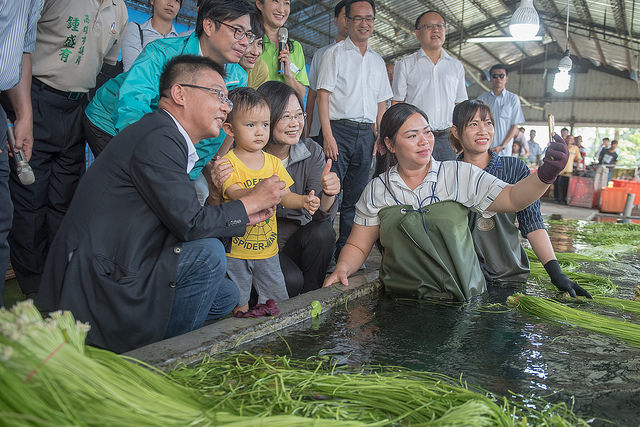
{"x": 379, "y": 395}
{"x": 48, "y": 377}
{"x": 554, "y": 311}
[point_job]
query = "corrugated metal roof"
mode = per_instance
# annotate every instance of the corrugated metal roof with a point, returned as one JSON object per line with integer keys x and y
{"x": 606, "y": 32}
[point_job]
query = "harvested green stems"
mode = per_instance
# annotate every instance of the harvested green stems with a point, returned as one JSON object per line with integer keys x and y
{"x": 256, "y": 385}
{"x": 547, "y": 309}
{"x": 49, "y": 377}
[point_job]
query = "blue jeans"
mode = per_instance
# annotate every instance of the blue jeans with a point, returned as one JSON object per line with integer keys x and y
{"x": 355, "y": 146}
{"x": 202, "y": 291}
{"x": 6, "y": 207}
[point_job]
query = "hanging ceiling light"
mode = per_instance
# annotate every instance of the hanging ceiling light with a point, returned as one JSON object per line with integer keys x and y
{"x": 524, "y": 23}
{"x": 562, "y": 79}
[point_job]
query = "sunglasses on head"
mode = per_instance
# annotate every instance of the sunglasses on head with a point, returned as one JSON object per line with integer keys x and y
{"x": 498, "y": 76}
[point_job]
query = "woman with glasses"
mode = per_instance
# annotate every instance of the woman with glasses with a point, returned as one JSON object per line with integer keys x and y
{"x": 418, "y": 209}
{"x": 306, "y": 242}
{"x": 274, "y": 16}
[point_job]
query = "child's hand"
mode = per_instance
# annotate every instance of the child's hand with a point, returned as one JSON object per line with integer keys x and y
{"x": 311, "y": 202}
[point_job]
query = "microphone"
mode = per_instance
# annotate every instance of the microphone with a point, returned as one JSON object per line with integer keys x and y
{"x": 25, "y": 173}
{"x": 283, "y": 37}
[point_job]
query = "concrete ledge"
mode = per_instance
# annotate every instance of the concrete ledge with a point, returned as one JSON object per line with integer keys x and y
{"x": 228, "y": 333}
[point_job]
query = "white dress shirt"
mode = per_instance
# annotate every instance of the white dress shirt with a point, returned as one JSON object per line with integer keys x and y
{"x": 315, "y": 128}
{"x": 192, "y": 154}
{"x": 450, "y": 180}
{"x": 507, "y": 112}
{"x": 357, "y": 82}
{"x": 434, "y": 88}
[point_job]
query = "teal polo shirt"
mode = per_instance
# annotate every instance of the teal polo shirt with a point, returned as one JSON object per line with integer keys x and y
{"x": 130, "y": 95}
{"x": 297, "y": 61}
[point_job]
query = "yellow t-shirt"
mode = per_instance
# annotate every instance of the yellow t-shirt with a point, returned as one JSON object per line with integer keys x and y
{"x": 260, "y": 241}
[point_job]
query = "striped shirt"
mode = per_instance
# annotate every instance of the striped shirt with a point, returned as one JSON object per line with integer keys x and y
{"x": 18, "y": 20}
{"x": 511, "y": 170}
{"x": 450, "y": 180}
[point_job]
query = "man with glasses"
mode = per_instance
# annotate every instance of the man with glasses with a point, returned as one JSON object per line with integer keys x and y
{"x": 432, "y": 80}
{"x": 506, "y": 109}
{"x": 353, "y": 89}
{"x": 140, "y": 260}
{"x": 223, "y": 32}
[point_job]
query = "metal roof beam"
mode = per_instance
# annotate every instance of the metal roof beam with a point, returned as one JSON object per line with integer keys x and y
{"x": 583, "y": 11}
{"x": 550, "y": 6}
{"x": 619, "y": 16}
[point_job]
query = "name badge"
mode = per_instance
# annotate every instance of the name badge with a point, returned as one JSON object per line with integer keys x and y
{"x": 294, "y": 68}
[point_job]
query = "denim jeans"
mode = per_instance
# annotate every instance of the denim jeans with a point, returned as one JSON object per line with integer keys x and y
{"x": 6, "y": 207}
{"x": 355, "y": 146}
{"x": 202, "y": 291}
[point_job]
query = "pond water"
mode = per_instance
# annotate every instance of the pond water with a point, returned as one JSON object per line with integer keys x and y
{"x": 489, "y": 345}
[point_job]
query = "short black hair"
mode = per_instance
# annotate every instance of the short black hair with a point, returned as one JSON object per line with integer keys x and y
{"x": 221, "y": 11}
{"x": 424, "y": 13}
{"x": 350, "y": 2}
{"x": 278, "y": 95}
{"x": 499, "y": 67}
{"x": 463, "y": 113}
{"x": 184, "y": 68}
{"x": 564, "y": 129}
{"x": 257, "y": 27}
{"x": 338, "y": 7}
{"x": 245, "y": 99}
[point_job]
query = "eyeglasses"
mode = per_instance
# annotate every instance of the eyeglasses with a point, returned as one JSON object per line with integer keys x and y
{"x": 498, "y": 76}
{"x": 286, "y": 118}
{"x": 360, "y": 19}
{"x": 239, "y": 33}
{"x": 430, "y": 27}
{"x": 214, "y": 92}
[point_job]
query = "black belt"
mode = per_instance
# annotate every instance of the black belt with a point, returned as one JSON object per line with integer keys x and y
{"x": 71, "y": 96}
{"x": 437, "y": 132}
{"x": 353, "y": 124}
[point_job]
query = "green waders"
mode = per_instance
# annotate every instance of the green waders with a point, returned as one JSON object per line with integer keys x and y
{"x": 497, "y": 243}
{"x": 428, "y": 252}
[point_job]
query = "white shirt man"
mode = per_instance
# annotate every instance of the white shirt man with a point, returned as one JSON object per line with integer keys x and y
{"x": 313, "y": 119}
{"x": 353, "y": 88}
{"x": 432, "y": 80}
{"x": 506, "y": 109}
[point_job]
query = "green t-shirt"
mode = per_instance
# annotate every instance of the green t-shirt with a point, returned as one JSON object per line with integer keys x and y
{"x": 297, "y": 62}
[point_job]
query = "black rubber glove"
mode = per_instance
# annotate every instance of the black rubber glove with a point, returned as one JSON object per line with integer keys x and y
{"x": 562, "y": 281}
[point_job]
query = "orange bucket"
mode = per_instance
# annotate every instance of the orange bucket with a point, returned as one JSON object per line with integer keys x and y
{"x": 612, "y": 199}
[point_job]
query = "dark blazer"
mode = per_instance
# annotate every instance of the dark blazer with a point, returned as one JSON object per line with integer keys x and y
{"x": 114, "y": 259}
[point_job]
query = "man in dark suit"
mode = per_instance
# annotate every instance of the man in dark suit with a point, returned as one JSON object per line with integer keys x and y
{"x": 137, "y": 256}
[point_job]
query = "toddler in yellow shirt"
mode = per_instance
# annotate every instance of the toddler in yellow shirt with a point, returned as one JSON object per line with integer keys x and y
{"x": 253, "y": 260}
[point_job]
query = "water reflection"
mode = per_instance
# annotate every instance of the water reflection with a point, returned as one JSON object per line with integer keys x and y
{"x": 491, "y": 346}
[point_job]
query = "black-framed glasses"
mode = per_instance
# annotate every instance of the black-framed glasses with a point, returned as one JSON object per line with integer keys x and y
{"x": 498, "y": 76}
{"x": 358, "y": 19}
{"x": 300, "y": 117}
{"x": 214, "y": 92}
{"x": 429, "y": 27}
{"x": 239, "y": 33}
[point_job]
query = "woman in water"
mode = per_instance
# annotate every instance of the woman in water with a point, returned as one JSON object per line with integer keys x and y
{"x": 418, "y": 209}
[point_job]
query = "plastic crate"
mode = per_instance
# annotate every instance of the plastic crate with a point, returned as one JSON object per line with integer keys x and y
{"x": 612, "y": 199}
{"x": 580, "y": 192}
{"x": 633, "y": 186}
